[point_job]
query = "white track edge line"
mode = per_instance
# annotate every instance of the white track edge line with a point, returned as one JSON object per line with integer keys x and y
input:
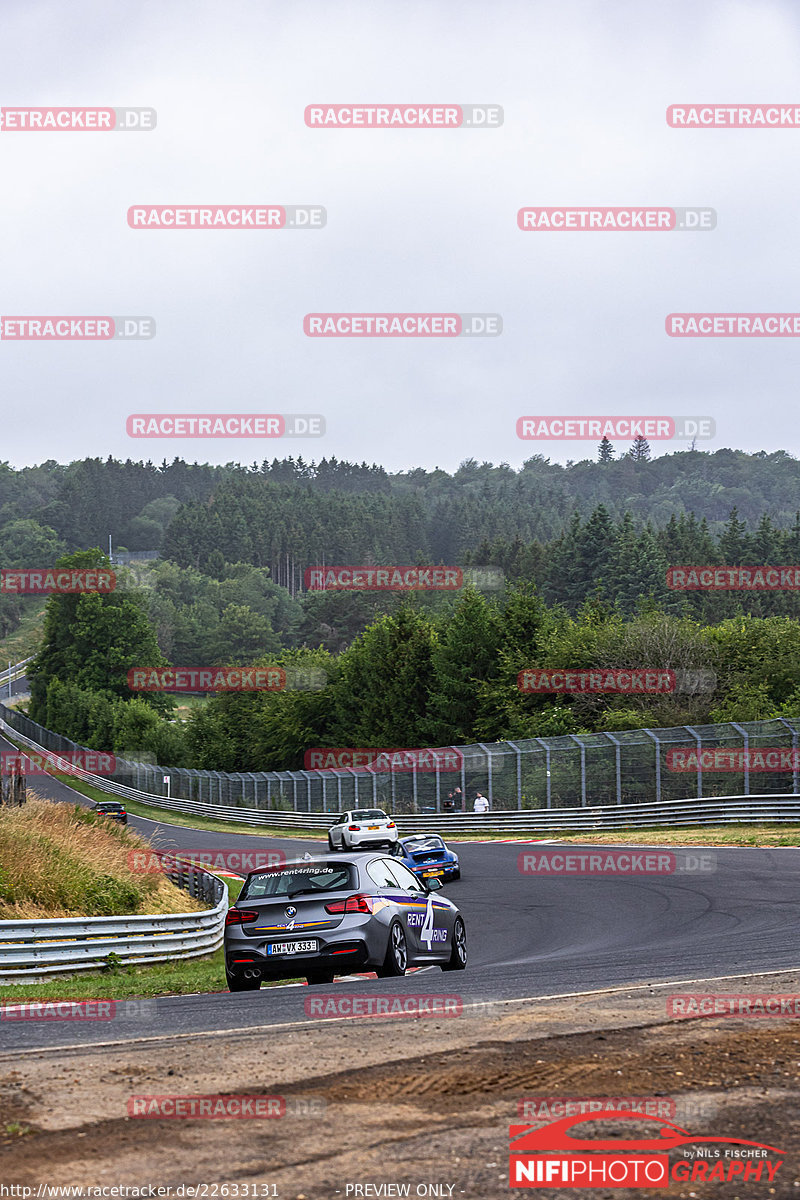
{"x": 245, "y": 1029}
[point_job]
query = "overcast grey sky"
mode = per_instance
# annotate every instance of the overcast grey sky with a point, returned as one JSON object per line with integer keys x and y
{"x": 418, "y": 221}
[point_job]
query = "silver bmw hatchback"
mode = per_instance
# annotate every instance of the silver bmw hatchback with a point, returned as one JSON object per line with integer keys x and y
{"x": 338, "y": 915}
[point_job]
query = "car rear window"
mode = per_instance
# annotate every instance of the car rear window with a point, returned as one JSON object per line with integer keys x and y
{"x": 283, "y": 881}
{"x": 414, "y": 845}
{"x": 369, "y": 814}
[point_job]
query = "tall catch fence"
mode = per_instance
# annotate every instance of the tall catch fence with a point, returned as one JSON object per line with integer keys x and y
{"x": 640, "y": 766}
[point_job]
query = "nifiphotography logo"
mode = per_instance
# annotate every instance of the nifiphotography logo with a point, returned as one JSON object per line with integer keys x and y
{"x": 551, "y": 1156}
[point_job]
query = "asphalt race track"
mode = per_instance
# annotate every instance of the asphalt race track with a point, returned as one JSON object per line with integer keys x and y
{"x": 528, "y": 936}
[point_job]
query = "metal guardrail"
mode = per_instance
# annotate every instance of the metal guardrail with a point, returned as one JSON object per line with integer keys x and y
{"x": 14, "y": 672}
{"x": 301, "y": 799}
{"x": 50, "y": 947}
{"x": 780, "y": 808}
{"x": 636, "y": 766}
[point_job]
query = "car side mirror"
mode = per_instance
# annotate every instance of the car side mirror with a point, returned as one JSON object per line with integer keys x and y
{"x": 434, "y": 883}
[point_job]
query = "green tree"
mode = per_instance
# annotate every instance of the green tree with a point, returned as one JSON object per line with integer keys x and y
{"x": 91, "y": 640}
{"x": 465, "y": 654}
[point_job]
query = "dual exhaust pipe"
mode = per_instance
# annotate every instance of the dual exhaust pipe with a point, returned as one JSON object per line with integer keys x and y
{"x": 252, "y": 973}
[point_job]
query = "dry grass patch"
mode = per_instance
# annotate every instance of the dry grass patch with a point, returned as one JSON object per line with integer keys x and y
{"x": 57, "y": 860}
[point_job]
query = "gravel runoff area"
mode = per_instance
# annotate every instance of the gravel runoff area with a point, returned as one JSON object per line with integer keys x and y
{"x": 371, "y": 1102}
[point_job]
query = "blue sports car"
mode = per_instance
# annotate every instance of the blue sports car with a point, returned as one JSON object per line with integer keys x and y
{"x": 427, "y": 856}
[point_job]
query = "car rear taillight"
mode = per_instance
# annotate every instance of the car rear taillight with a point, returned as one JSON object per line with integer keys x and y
{"x": 240, "y": 916}
{"x": 353, "y": 904}
{"x": 390, "y": 825}
{"x": 355, "y": 828}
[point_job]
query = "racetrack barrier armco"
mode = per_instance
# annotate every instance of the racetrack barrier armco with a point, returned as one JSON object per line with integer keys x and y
{"x": 580, "y": 781}
{"x": 30, "y": 949}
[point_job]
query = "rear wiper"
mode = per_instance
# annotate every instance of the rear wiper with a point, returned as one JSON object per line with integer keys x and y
{"x": 301, "y": 891}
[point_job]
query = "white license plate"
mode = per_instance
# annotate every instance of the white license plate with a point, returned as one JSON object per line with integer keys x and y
{"x": 292, "y": 947}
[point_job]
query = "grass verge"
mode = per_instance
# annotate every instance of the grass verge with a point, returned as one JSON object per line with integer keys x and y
{"x": 180, "y": 977}
{"x": 177, "y": 978}
{"x": 744, "y": 834}
{"x": 62, "y": 860}
{"x": 26, "y": 638}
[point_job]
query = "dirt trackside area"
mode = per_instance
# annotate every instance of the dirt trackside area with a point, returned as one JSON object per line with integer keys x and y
{"x": 422, "y": 1102}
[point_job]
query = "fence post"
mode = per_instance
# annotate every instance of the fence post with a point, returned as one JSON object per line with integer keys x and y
{"x": 617, "y": 755}
{"x": 699, "y": 741}
{"x": 518, "y": 753}
{"x": 793, "y": 732}
{"x": 657, "y": 741}
{"x": 582, "y": 748}
{"x": 546, "y": 745}
{"x": 488, "y": 754}
{"x": 746, "y": 739}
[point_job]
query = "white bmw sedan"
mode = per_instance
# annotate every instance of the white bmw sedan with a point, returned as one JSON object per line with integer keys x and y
{"x": 362, "y": 827}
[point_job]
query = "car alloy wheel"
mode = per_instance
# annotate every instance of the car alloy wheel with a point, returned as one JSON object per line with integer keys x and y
{"x": 458, "y": 955}
{"x": 396, "y": 960}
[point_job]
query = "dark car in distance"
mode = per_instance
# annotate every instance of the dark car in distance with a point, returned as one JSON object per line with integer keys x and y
{"x": 111, "y": 809}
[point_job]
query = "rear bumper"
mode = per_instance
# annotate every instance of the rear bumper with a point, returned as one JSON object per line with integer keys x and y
{"x": 342, "y": 957}
{"x": 443, "y": 870}
{"x": 358, "y": 941}
{"x": 381, "y": 838}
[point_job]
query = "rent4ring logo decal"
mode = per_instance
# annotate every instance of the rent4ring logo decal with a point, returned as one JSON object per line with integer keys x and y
{"x": 552, "y": 1156}
{"x": 426, "y": 923}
